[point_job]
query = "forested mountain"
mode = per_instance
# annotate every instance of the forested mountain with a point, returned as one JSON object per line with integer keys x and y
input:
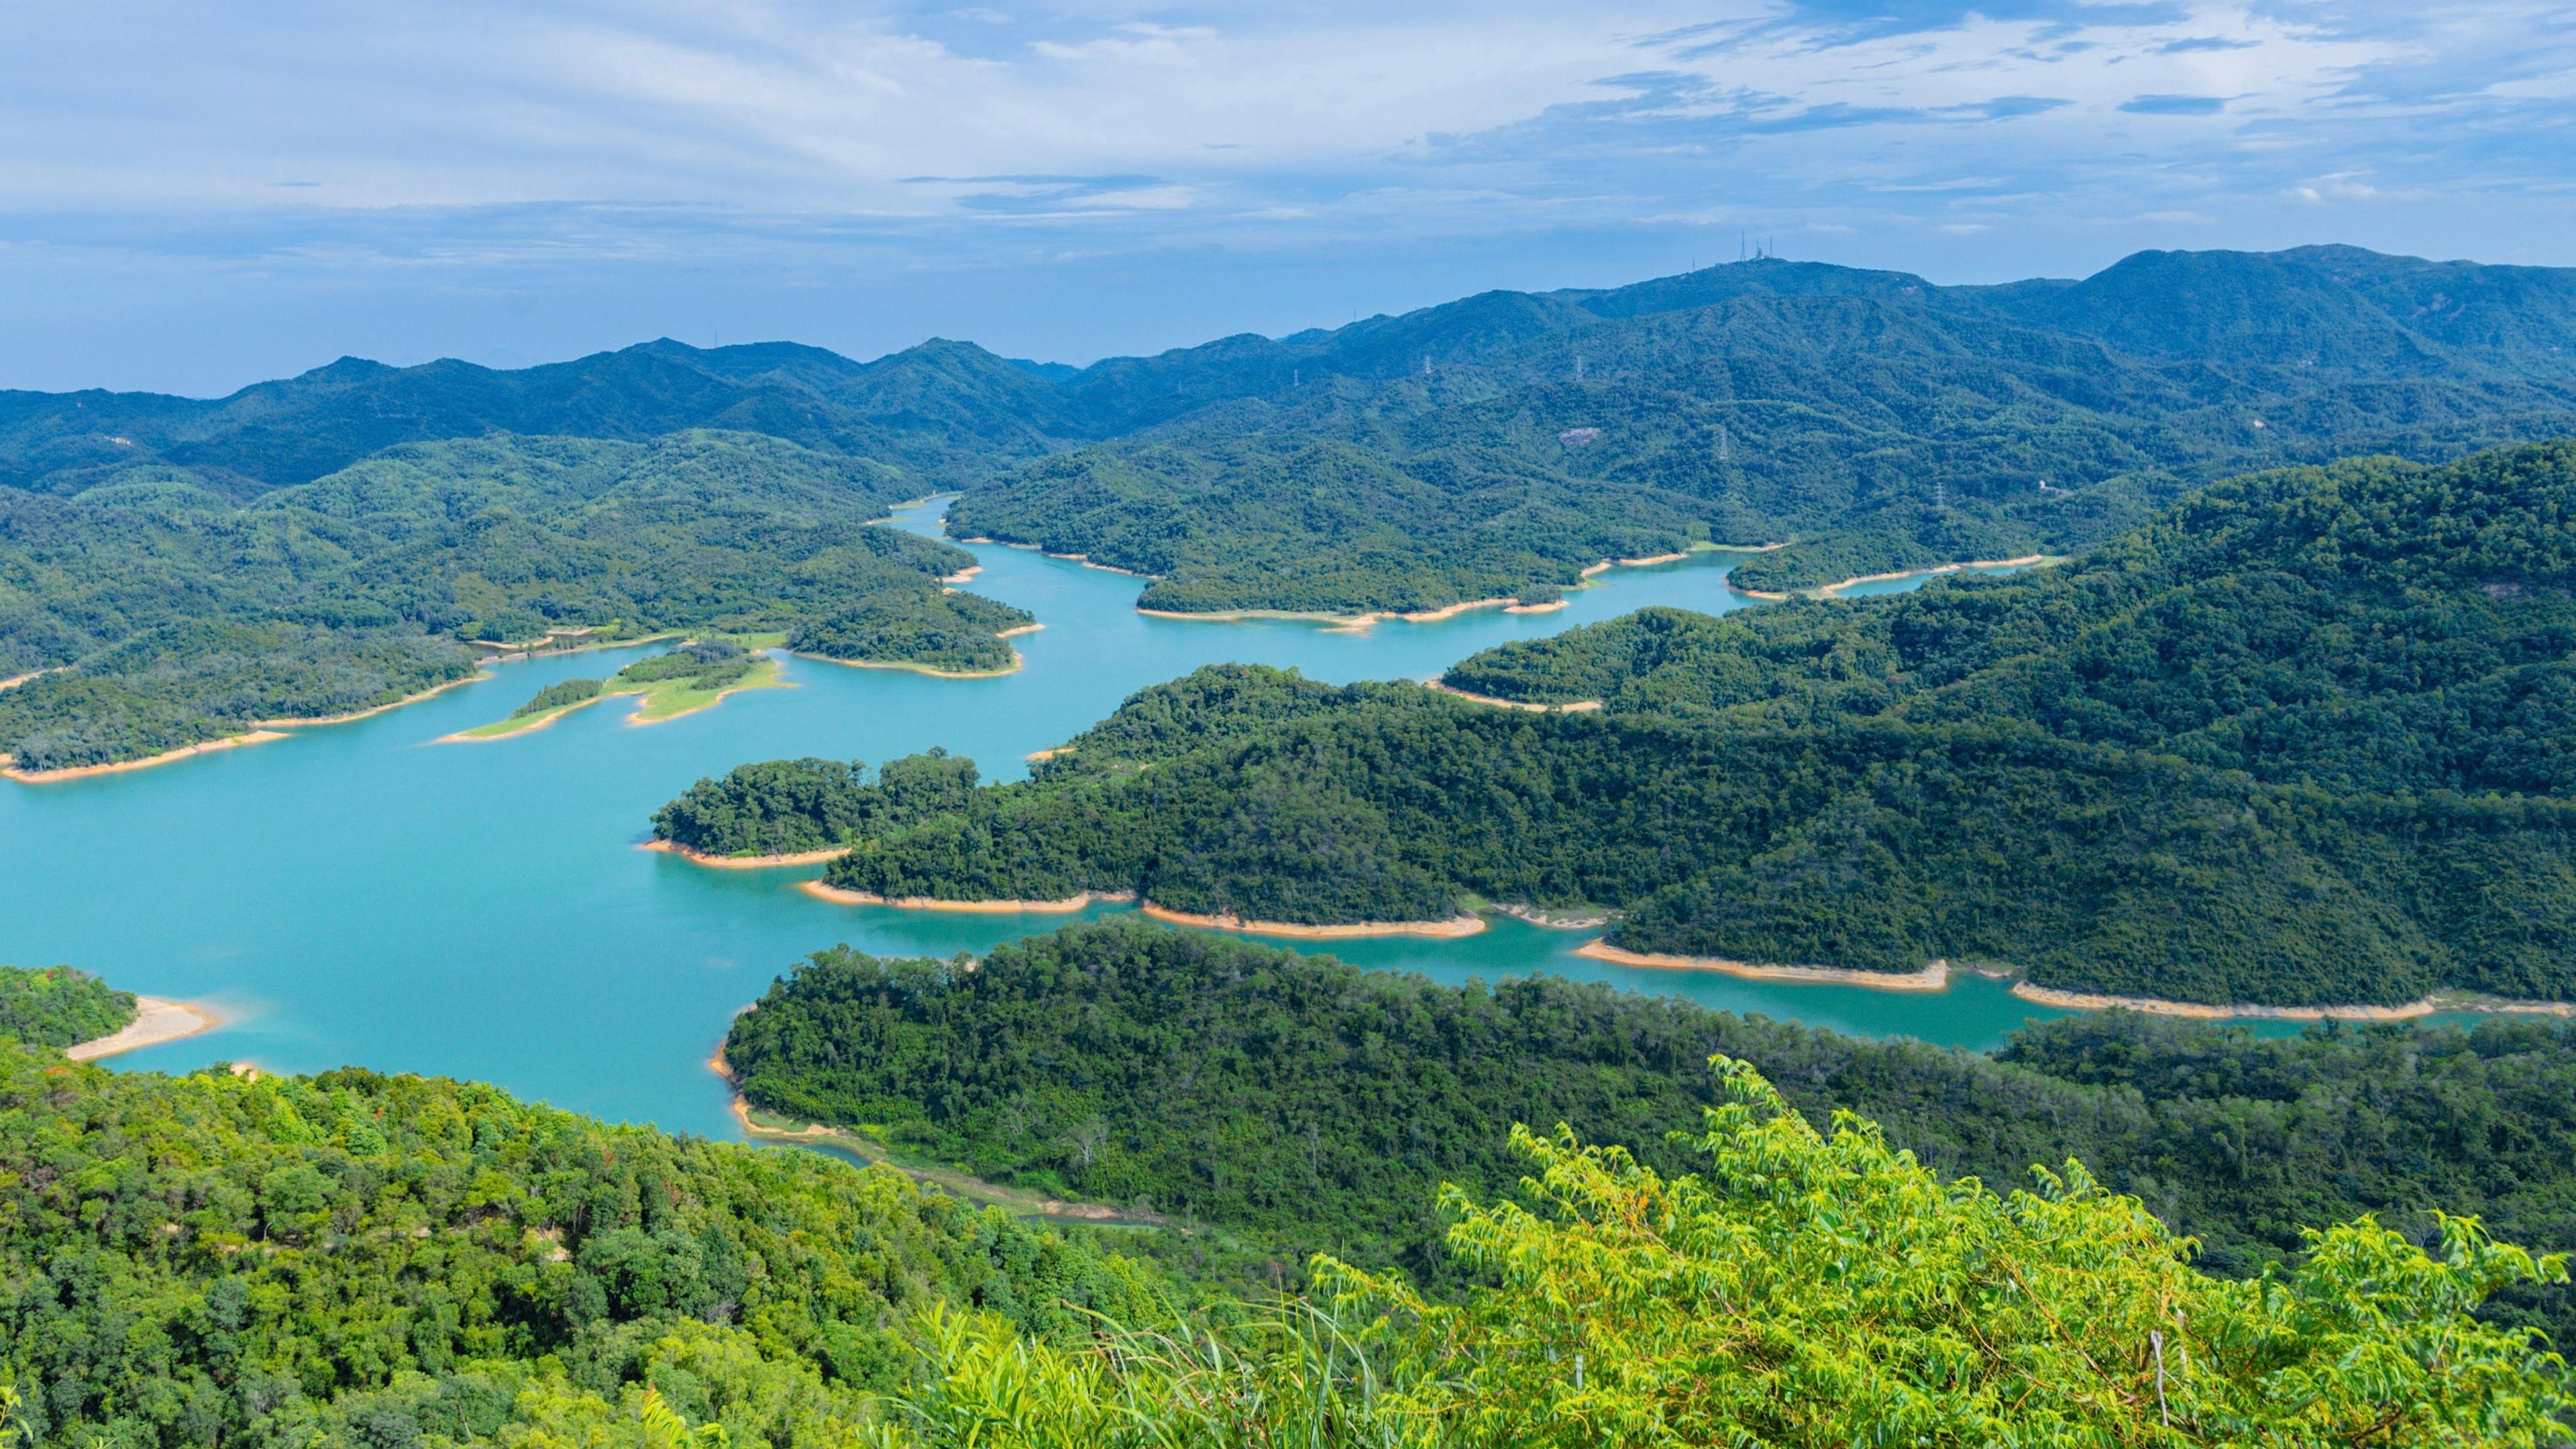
{"x": 939, "y": 411}
{"x": 1308, "y": 1105}
{"x": 168, "y": 614}
{"x": 1495, "y": 446}
{"x": 2299, "y": 740}
{"x": 308, "y": 547}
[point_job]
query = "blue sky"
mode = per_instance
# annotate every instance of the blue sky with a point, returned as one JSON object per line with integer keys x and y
{"x": 195, "y": 195}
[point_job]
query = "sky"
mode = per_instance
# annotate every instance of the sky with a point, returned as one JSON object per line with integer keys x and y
{"x": 198, "y": 195}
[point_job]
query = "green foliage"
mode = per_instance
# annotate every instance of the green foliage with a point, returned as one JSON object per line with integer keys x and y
{"x": 2293, "y": 742}
{"x": 708, "y": 664}
{"x": 182, "y": 684}
{"x": 556, "y": 696}
{"x": 1803, "y": 1288}
{"x": 786, "y": 807}
{"x": 183, "y": 616}
{"x": 1305, "y": 1105}
{"x": 361, "y": 1258}
{"x": 57, "y": 1006}
{"x": 951, "y": 632}
{"x": 1875, "y": 420}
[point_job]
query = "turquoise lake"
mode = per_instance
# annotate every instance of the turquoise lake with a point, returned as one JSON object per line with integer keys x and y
{"x": 363, "y": 894}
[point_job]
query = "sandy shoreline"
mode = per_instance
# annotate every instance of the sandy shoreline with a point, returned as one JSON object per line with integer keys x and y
{"x": 745, "y": 862}
{"x": 1827, "y": 591}
{"x": 157, "y": 1019}
{"x": 373, "y": 711}
{"x": 1949, "y": 568}
{"x": 1016, "y": 662}
{"x": 1017, "y": 630}
{"x": 1538, "y": 608}
{"x": 2204, "y": 1011}
{"x": 1933, "y": 977}
{"x": 81, "y": 772}
{"x": 1347, "y": 622}
{"x": 1580, "y": 706}
{"x": 1084, "y": 559}
{"x": 834, "y": 893}
{"x": 544, "y": 720}
{"x": 1454, "y": 926}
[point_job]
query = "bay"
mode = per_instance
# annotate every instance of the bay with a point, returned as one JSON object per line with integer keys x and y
{"x": 366, "y": 894}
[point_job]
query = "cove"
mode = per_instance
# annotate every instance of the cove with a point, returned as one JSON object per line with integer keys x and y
{"x": 363, "y": 894}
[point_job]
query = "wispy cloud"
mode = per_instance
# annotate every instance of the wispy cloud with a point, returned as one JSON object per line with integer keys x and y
{"x": 826, "y": 144}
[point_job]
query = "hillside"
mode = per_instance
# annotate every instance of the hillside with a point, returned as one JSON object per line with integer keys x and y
{"x": 355, "y": 1258}
{"x": 2289, "y": 744}
{"x": 1311, "y": 1106}
{"x": 167, "y": 615}
{"x": 1774, "y": 1284}
{"x": 1495, "y": 446}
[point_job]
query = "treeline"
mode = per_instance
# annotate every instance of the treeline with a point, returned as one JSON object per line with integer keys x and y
{"x": 355, "y": 1258}
{"x": 1801, "y": 1288}
{"x": 786, "y": 807}
{"x": 182, "y": 684}
{"x": 1312, "y": 1106}
{"x": 2289, "y": 744}
{"x": 949, "y": 632}
{"x": 556, "y": 696}
{"x": 57, "y": 1006}
{"x": 171, "y": 614}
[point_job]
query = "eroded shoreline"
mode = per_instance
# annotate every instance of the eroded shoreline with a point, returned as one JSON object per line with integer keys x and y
{"x": 9, "y": 768}
{"x": 1834, "y": 590}
{"x": 1935, "y": 976}
{"x": 822, "y": 891}
{"x": 2245, "y": 1011}
{"x": 745, "y": 862}
{"x": 157, "y": 1020}
{"x": 1454, "y": 926}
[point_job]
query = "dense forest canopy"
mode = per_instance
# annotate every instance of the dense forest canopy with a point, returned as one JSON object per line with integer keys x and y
{"x": 58, "y": 1007}
{"x": 2297, "y": 739}
{"x": 362, "y": 1259}
{"x": 170, "y": 615}
{"x": 1307, "y": 1105}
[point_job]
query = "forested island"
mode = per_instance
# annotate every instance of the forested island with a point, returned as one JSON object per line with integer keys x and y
{"x": 361, "y": 1258}
{"x": 2297, "y": 740}
{"x": 697, "y": 675}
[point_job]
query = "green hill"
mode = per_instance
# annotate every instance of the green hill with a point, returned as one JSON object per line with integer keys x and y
{"x": 367, "y": 1260}
{"x": 169, "y": 615}
{"x": 2289, "y": 744}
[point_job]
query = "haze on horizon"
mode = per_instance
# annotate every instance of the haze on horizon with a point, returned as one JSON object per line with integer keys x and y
{"x": 194, "y": 198}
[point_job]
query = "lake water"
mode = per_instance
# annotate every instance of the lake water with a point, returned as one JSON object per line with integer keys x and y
{"x": 361, "y": 894}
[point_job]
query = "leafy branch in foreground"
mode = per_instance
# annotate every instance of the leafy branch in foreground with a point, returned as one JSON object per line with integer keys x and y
{"x": 1805, "y": 1288}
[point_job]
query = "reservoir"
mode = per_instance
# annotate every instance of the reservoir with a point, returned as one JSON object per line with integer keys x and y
{"x": 362, "y": 894}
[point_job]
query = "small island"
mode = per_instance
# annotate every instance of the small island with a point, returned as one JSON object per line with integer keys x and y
{"x": 947, "y": 635}
{"x": 695, "y": 676}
